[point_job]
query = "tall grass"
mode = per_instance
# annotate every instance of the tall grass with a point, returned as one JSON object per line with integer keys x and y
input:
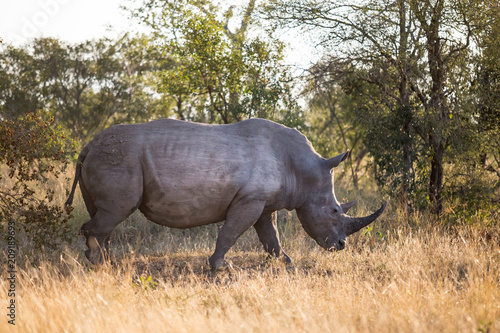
{"x": 406, "y": 274}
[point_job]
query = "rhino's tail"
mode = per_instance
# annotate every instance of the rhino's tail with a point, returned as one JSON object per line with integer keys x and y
{"x": 78, "y": 173}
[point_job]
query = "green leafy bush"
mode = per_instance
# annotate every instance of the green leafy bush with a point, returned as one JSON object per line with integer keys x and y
{"x": 32, "y": 153}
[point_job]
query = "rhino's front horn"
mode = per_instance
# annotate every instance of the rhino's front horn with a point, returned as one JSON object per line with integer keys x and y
{"x": 354, "y": 224}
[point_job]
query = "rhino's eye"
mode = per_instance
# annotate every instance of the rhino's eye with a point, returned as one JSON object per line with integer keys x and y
{"x": 335, "y": 211}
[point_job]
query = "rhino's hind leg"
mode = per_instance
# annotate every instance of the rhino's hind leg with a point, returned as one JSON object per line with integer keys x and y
{"x": 240, "y": 217}
{"x": 267, "y": 230}
{"x": 98, "y": 249}
{"x": 111, "y": 192}
{"x": 98, "y": 231}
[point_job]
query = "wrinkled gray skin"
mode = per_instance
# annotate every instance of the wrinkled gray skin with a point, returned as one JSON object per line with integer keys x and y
{"x": 184, "y": 175}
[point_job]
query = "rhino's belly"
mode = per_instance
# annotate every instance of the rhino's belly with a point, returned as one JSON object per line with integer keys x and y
{"x": 188, "y": 207}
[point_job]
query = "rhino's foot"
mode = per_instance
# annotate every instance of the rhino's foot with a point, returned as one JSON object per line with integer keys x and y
{"x": 93, "y": 257}
{"x": 283, "y": 258}
{"x": 98, "y": 258}
{"x": 97, "y": 252}
{"x": 219, "y": 264}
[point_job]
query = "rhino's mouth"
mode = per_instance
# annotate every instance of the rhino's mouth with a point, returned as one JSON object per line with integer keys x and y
{"x": 332, "y": 246}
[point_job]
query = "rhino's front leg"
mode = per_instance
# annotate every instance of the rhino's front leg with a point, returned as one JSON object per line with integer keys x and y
{"x": 240, "y": 217}
{"x": 267, "y": 230}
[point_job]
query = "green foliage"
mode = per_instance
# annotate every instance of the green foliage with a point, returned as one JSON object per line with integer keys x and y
{"x": 332, "y": 129}
{"x": 219, "y": 75}
{"x": 87, "y": 86}
{"x": 475, "y": 182}
{"x": 32, "y": 151}
{"x": 147, "y": 283}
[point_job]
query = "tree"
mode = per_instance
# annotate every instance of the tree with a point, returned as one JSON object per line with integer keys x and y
{"x": 32, "y": 152}
{"x": 413, "y": 54}
{"x": 487, "y": 88}
{"x": 329, "y": 115}
{"x": 476, "y": 180}
{"x": 19, "y": 84}
{"x": 219, "y": 75}
{"x": 86, "y": 86}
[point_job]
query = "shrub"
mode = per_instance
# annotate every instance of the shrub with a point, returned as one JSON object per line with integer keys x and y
{"x": 33, "y": 151}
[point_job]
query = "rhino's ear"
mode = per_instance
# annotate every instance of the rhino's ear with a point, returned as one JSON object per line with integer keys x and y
{"x": 335, "y": 161}
{"x": 346, "y": 206}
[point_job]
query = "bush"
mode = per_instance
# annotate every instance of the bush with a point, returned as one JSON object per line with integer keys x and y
{"x": 32, "y": 152}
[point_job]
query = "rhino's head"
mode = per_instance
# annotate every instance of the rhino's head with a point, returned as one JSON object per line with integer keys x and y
{"x": 323, "y": 217}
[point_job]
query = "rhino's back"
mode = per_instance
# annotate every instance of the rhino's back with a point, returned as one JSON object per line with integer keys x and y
{"x": 191, "y": 173}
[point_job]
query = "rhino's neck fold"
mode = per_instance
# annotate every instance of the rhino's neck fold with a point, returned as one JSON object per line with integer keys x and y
{"x": 293, "y": 195}
{"x": 299, "y": 176}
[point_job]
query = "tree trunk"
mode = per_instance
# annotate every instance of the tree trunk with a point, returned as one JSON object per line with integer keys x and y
{"x": 179, "y": 108}
{"x": 436, "y": 179}
{"x": 436, "y": 112}
{"x": 404, "y": 102}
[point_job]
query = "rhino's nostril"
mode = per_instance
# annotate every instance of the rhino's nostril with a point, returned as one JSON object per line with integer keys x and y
{"x": 342, "y": 243}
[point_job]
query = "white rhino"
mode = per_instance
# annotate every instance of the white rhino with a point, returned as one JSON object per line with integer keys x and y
{"x": 183, "y": 175}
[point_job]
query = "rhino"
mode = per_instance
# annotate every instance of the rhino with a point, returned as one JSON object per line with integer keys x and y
{"x": 183, "y": 174}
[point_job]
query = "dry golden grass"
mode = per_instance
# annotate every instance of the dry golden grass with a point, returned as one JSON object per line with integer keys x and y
{"x": 403, "y": 279}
